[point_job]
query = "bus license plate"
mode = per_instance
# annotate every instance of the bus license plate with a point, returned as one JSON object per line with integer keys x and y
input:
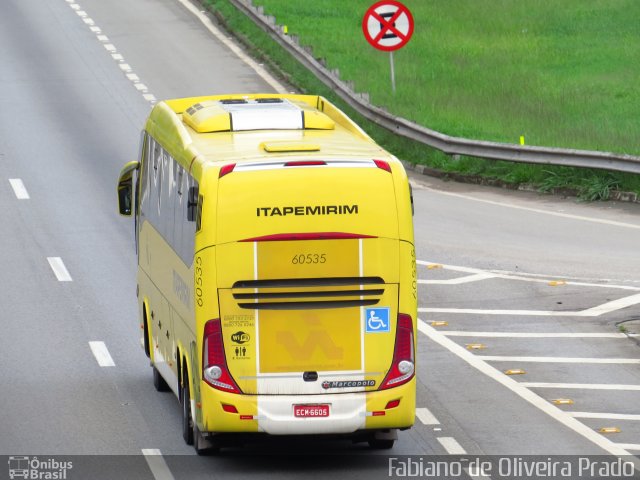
{"x": 311, "y": 410}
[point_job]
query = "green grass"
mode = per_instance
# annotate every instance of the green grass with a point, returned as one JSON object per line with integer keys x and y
{"x": 560, "y": 73}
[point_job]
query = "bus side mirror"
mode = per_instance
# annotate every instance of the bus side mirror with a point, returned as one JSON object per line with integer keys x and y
{"x": 192, "y": 204}
{"x": 125, "y": 188}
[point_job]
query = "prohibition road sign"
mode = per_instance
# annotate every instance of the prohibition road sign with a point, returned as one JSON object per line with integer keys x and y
{"x": 387, "y": 25}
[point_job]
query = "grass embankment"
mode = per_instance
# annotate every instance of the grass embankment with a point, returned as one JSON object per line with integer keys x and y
{"x": 560, "y": 74}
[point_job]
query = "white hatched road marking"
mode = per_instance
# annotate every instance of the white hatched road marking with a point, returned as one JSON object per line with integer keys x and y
{"x": 523, "y": 392}
{"x": 60, "y": 271}
{"x": 451, "y": 445}
{"x": 499, "y": 358}
{"x": 478, "y": 274}
{"x": 630, "y": 446}
{"x": 426, "y": 417}
{"x": 102, "y": 354}
{"x": 19, "y": 189}
{"x": 156, "y": 463}
{"x": 606, "y": 416}
{"x": 582, "y": 386}
{"x": 456, "y": 333}
{"x": 597, "y": 311}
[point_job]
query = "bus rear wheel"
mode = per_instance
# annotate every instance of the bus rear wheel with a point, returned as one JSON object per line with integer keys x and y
{"x": 159, "y": 383}
{"x": 187, "y": 419}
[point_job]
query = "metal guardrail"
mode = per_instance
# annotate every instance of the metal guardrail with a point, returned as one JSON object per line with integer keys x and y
{"x": 445, "y": 143}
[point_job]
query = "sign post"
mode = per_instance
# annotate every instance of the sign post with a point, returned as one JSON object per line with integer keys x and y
{"x": 388, "y": 25}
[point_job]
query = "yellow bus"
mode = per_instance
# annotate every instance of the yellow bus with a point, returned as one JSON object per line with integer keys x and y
{"x": 276, "y": 269}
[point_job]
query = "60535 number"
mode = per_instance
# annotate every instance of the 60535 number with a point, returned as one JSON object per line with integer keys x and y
{"x": 309, "y": 258}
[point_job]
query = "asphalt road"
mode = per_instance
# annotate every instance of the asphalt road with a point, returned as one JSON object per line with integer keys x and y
{"x": 513, "y": 281}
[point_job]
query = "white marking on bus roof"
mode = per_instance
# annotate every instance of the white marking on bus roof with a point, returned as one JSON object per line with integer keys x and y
{"x": 19, "y": 189}
{"x": 275, "y": 84}
{"x": 157, "y": 465}
{"x": 500, "y": 358}
{"x": 582, "y": 386}
{"x": 60, "y": 271}
{"x": 102, "y": 354}
{"x": 526, "y": 394}
{"x": 604, "y": 416}
{"x": 451, "y": 445}
{"x": 426, "y": 417}
{"x": 456, "y": 333}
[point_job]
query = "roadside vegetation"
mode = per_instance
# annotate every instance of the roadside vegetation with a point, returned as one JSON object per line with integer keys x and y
{"x": 560, "y": 74}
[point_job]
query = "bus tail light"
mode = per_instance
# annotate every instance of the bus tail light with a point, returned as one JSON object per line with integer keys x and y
{"x": 214, "y": 363}
{"x": 403, "y": 366}
{"x": 226, "y": 169}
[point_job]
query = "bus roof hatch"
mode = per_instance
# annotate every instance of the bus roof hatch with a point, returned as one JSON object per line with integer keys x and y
{"x": 254, "y": 114}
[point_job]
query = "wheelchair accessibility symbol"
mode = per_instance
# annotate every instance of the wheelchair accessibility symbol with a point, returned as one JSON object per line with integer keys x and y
{"x": 377, "y": 319}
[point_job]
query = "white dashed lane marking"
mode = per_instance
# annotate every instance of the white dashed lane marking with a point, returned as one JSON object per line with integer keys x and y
{"x": 426, "y": 417}
{"x": 112, "y": 49}
{"x": 102, "y": 354}
{"x": 19, "y": 189}
{"x": 59, "y": 269}
{"x": 157, "y": 465}
{"x": 451, "y": 445}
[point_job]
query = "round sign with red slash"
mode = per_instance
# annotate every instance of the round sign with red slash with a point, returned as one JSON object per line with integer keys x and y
{"x": 387, "y": 25}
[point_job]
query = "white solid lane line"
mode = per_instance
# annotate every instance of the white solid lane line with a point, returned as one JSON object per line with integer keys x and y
{"x": 476, "y": 277}
{"x": 605, "y": 416}
{"x": 19, "y": 189}
{"x": 457, "y": 333}
{"x": 582, "y": 386}
{"x": 101, "y": 353}
{"x": 451, "y": 446}
{"x": 262, "y": 72}
{"x": 498, "y": 358}
{"x": 426, "y": 417}
{"x": 601, "y": 221}
{"x": 60, "y": 271}
{"x": 156, "y": 463}
{"x": 521, "y": 391}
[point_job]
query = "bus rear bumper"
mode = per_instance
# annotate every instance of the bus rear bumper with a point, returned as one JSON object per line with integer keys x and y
{"x": 345, "y": 413}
